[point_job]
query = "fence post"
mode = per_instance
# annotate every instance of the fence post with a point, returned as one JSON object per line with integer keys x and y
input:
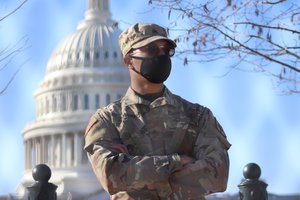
{"x": 42, "y": 189}
{"x": 252, "y": 188}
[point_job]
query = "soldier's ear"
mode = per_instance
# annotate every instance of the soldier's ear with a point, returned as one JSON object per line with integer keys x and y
{"x": 127, "y": 60}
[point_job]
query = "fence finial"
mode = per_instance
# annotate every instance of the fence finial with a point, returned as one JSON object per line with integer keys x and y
{"x": 252, "y": 188}
{"x": 41, "y": 189}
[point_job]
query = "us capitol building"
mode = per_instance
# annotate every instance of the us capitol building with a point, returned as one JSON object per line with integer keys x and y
{"x": 85, "y": 72}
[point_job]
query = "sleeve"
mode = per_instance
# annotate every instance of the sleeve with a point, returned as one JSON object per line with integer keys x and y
{"x": 120, "y": 171}
{"x": 209, "y": 172}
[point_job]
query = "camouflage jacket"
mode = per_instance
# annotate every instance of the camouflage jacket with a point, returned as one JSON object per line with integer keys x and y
{"x": 134, "y": 147}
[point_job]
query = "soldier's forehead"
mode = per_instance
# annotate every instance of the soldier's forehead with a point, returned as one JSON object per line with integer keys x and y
{"x": 160, "y": 42}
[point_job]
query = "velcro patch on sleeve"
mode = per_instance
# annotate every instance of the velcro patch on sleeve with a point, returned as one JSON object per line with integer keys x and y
{"x": 93, "y": 121}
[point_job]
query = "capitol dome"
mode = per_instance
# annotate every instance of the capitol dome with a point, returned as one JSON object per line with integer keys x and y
{"x": 85, "y": 72}
{"x": 93, "y": 45}
{"x": 89, "y": 59}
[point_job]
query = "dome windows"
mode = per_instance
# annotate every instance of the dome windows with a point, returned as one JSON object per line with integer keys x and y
{"x": 78, "y": 56}
{"x": 93, "y": 46}
{"x": 87, "y": 55}
{"x": 107, "y": 99}
{"x": 97, "y": 101}
{"x": 68, "y": 101}
{"x": 115, "y": 54}
{"x": 63, "y": 103}
{"x": 86, "y": 102}
{"x": 97, "y": 55}
{"x": 106, "y": 54}
{"x": 75, "y": 102}
{"x": 95, "y": 58}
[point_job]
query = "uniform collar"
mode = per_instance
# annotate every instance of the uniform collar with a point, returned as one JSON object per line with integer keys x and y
{"x": 132, "y": 98}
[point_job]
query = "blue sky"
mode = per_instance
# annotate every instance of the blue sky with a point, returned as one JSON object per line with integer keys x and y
{"x": 263, "y": 126}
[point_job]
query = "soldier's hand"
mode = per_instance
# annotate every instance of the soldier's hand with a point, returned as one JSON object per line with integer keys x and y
{"x": 118, "y": 148}
{"x": 186, "y": 160}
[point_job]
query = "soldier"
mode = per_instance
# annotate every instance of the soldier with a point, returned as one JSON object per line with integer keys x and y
{"x": 152, "y": 144}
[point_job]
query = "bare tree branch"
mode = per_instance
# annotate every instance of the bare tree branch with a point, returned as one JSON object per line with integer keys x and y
{"x": 260, "y": 32}
{"x": 273, "y": 3}
{"x": 12, "y": 78}
{"x": 15, "y": 10}
{"x": 270, "y": 27}
{"x": 8, "y": 53}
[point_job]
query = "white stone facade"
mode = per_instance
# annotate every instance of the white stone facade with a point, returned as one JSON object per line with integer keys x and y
{"x": 85, "y": 72}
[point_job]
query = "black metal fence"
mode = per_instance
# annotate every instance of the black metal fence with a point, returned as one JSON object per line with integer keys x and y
{"x": 251, "y": 188}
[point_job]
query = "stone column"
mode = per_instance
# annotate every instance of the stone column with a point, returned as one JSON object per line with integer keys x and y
{"x": 33, "y": 152}
{"x": 51, "y": 148}
{"x": 29, "y": 154}
{"x": 26, "y": 154}
{"x": 43, "y": 147}
{"x": 59, "y": 103}
{"x": 77, "y": 149}
{"x": 68, "y": 150}
{"x": 27, "y": 157}
{"x": 63, "y": 150}
{"x": 40, "y": 150}
{"x": 55, "y": 151}
{"x": 37, "y": 150}
{"x": 69, "y": 98}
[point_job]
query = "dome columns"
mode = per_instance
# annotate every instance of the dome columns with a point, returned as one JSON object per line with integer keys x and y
{"x": 59, "y": 150}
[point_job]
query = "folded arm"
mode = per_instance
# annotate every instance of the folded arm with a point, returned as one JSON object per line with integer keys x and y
{"x": 119, "y": 171}
{"x": 209, "y": 172}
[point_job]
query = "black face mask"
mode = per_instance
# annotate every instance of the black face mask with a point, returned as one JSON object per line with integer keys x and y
{"x": 155, "y": 69}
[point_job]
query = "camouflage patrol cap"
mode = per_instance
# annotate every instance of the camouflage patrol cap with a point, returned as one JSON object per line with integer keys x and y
{"x": 140, "y": 35}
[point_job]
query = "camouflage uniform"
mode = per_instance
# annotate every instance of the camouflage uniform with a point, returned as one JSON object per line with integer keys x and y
{"x": 155, "y": 134}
